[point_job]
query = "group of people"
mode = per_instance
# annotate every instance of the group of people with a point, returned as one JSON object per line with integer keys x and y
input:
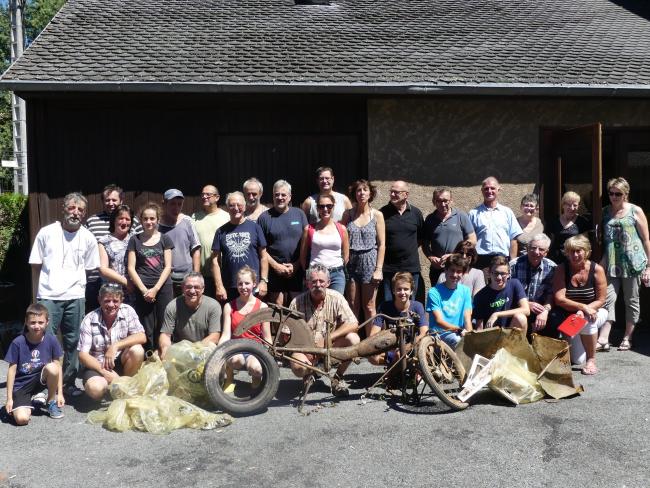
{"x": 122, "y": 286}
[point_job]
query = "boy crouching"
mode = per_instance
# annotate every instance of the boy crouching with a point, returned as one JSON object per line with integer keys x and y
{"x": 34, "y": 364}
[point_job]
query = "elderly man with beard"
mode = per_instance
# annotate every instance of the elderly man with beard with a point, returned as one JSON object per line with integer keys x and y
{"x": 283, "y": 226}
{"x": 321, "y": 306}
{"x": 110, "y": 342}
{"x": 61, "y": 255}
{"x": 192, "y": 316}
{"x": 253, "y": 190}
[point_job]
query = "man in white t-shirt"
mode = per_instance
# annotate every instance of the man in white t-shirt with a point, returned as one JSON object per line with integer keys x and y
{"x": 62, "y": 253}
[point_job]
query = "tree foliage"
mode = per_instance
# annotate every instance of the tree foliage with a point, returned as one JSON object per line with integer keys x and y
{"x": 38, "y": 14}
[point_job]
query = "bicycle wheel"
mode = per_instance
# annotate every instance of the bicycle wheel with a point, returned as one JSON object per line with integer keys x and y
{"x": 442, "y": 370}
{"x": 243, "y": 395}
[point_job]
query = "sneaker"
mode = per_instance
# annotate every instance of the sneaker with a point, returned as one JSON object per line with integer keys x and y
{"x": 72, "y": 391}
{"x": 54, "y": 410}
{"x": 39, "y": 400}
{"x": 339, "y": 387}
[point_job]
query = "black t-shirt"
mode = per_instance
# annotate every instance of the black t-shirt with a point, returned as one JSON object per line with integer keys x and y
{"x": 559, "y": 235}
{"x": 402, "y": 235}
{"x": 149, "y": 260}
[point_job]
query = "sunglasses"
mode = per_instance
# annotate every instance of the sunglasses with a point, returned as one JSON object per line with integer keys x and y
{"x": 615, "y": 194}
{"x": 327, "y": 206}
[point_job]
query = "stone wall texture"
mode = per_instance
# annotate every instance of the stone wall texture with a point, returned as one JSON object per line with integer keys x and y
{"x": 457, "y": 142}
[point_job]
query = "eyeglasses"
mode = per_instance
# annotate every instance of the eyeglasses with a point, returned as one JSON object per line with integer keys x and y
{"x": 193, "y": 287}
{"x": 439, "y": 201}
{"x": 327, "y": 206}
{"x": 615, "y": 194}
{"x": 397, "y": 192}
{"x": 280, "y": 195}
{"x": 209, "y": 194}
{"x": 500, "y": 274}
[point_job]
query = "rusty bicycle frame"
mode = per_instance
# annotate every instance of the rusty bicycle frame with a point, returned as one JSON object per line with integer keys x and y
{"x": 400, "y": 332}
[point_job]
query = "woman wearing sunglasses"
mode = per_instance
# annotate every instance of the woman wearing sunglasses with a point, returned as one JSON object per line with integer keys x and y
{"x": 625, "y": 258}
{"x": 326, "y": 243}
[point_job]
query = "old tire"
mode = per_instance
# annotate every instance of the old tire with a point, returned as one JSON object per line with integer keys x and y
{"x": 442, "y": 370}
{"x": 235, "y": 403}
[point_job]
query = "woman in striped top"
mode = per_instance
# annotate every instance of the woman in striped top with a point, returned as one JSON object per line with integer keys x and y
{"x": 580, "y": 287}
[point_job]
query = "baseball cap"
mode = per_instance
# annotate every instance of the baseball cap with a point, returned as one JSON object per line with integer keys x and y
{"x": 173, "y": 193}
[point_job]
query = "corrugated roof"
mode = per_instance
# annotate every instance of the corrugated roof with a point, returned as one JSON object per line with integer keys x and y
{"x": 349, "y": 45}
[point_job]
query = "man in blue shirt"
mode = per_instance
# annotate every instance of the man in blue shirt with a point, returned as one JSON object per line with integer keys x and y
{"x": 495, "y": 225}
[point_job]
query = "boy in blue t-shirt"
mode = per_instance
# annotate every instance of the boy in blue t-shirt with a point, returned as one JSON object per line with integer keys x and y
{"x": 34, "y": 363}
{"x": 450, "y": 303}
{"x": 504, "y": 302}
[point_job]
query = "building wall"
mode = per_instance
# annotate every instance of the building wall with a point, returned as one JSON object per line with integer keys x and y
{"x": 457, "y": 142}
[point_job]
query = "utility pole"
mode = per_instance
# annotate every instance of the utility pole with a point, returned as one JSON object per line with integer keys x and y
{"x": 16, "y": 9}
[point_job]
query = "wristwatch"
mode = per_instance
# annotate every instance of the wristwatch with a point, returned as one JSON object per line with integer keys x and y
{"x": 265, "y": 280}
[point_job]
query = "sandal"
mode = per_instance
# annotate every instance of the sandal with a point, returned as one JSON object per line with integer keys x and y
{"x": 590, "y": 369}
{"x": 600, "y": 347}
{"x": 625, "y": 345}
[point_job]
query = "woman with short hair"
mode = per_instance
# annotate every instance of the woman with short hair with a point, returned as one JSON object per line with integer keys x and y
{"x": 580, "y": 287}
{"x": 625, "y": 258}
{"x": 112, "y": 251}
{"x": 530, "y": 223}
{"x": 568, "y": 224}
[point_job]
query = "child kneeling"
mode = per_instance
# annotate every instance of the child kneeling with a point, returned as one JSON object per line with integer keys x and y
{"x": 34, "y": 364}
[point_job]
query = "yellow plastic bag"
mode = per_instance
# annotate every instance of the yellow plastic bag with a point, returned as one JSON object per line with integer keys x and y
{"x": 151, "y": 379}
{"x": 184, "y": 363}
{"x": 512, "y": 379}
{"x": 156, "y": 415}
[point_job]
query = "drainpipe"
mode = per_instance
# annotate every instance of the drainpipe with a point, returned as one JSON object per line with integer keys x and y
{"x": 18, "y": 115}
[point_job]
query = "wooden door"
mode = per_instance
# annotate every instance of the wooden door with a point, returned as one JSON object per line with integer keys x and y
{"x": 572, "y": 160}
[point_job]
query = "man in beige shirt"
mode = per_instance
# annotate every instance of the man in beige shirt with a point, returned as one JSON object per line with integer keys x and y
{"x": 321, "y": 305}
{"x": 206, "y": 223}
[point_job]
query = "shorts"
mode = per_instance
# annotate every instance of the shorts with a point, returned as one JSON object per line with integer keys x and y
{"x": 279, "y": 283}
{"x": 87, "y": 373}
{"x": 23, "y": 396}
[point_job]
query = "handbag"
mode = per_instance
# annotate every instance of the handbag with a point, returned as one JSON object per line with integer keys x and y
{"x": 572, "y": 325}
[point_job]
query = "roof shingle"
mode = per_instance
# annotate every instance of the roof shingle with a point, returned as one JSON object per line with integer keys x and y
{"x": 350, "y": 42}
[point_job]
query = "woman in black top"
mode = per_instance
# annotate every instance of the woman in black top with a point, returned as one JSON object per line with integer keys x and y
{"x": 568, "y": 224}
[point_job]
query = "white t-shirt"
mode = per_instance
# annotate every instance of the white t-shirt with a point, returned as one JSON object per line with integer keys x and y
{"x": 64, "y": 258}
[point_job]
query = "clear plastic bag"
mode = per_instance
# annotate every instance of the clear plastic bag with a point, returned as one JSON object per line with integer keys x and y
{"x": 156, "y": 415}
{"x": 184, "y": 363}
{"x": 151, "y": 379}
{"x": 144, "y": 402}
{"x": 512, "y": 379}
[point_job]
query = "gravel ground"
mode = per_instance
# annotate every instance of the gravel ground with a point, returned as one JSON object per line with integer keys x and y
{"x": 598, "y": 439}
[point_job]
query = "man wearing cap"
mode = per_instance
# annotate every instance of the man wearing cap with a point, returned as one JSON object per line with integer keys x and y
{"x": 186, "y": 255}
{"x": 206, "y": 223}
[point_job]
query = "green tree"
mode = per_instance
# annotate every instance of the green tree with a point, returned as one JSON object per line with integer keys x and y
{"x": 38, "y": 14}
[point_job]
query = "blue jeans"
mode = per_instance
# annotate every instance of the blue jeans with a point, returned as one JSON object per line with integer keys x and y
{"x": 451, "y": 338}
{"x": 388, "y": 287}
{"x": 337, "y": 281}
{"x": 67, "y": 315}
